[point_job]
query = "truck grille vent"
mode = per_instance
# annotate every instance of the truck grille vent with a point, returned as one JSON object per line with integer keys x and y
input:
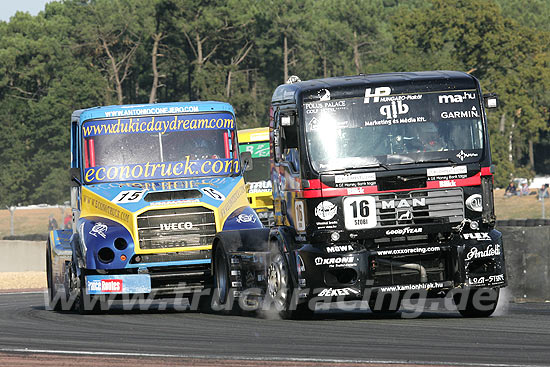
{"x": 178, "y": 227}
{"x": 420, "y": 207}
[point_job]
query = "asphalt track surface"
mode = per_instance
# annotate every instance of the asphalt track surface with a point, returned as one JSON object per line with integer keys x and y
{"x": 519, "y": 335}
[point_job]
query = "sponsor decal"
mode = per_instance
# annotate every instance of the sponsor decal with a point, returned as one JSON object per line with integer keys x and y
{"x": 105, "y": 285}
{"x": 355, "y": 177}
{"x": 324, "y": 95}
{"x": 491, "y": 250}
{"x": 480, "y": 236}
{"x": 355, "y": 190}
{"x": 325, "y": 106}
{"x": 258, "y": 150}
{"x": 99, "y": 229}
{"x": 446, "y": 171}
{"x": 456, "y": 98}
{"x": 330, "y": 292}
{"x": 92, "y": 204}
{"x": 403, "y": 203}
{"x": 339, "y": 248}
{"x": 187, "y": 168}
{"x": 376, "y": 94}
{"x": 463, "y": 155}
{"x": 260, "y": 186}
{"x": 151, "y": 111}
{"x": 335, "y": 261}
{"x": 158, "y": 124}
{"x": 460, "y": 114}
{"x": 407, "y": 287}
{"x": 300, "y": 215}
{"x": 491, "y": 279}
{"x": 394, "y": 109}
{"x": 244, "y": 218}
{"x": 326, "y": 210}
{"x": 407, "y": 251}
{"x": 181, "y": 226}
{"x": 447, "y": 183}
{"x": 213, "y": 193}
{"x": 403, "y": 231}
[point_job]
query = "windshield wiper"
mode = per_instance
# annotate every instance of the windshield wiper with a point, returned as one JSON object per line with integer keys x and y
{"x": 438, "y": 160}
{"x": 350, "y": 169}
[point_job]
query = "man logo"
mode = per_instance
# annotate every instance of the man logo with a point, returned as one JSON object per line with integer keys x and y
{"x": 404, "y": 215}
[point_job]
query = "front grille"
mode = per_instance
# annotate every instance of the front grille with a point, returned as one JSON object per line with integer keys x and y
{"x": 178, "y": 227}
{"x": 420, "y": 207}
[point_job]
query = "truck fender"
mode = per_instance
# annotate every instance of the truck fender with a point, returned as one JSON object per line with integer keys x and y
{"x": 60, "y": 253}
{"x": 241, "y": 240}
{"x": 284, "y": 238}
{"x": 243, "y": 218}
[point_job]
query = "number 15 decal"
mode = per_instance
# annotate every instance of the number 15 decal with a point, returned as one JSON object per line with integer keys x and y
{"x": 128, "y": 196}
{"x": 360, "y": 212}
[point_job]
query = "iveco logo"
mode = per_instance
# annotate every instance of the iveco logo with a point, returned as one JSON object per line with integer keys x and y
{"x": 403, "y": 203}
{"x": 176, "y": 226}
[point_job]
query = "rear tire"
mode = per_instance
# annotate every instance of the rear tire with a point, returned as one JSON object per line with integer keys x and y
{"x": 473, "y": 306}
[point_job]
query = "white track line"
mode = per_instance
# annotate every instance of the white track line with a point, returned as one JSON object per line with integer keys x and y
{"x": 260, "y": 359}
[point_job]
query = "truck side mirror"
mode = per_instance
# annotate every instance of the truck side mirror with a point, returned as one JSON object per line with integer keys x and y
{"x": 76, "y": 179}
{"x": 490, "y": 100}
{"x": 246, "y": 158}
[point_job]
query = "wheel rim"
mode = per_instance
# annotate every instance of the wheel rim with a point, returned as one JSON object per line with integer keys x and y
{"x": 221, "y": 279}
{"x": 277, "y": 284}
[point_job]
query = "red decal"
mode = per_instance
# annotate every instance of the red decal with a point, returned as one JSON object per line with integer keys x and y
{"x": 111, "y": 285}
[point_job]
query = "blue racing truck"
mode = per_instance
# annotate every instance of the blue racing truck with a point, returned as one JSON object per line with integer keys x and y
{"x": 151, "y": 185}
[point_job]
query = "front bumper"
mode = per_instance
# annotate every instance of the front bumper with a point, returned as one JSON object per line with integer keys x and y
{"x": 468, "y": 260}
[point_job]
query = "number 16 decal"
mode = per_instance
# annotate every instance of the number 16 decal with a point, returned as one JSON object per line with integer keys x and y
{"x": 360, "y": 212}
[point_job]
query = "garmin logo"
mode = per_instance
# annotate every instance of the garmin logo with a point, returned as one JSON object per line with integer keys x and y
{"x": 403, "y": 231}
{"x": 403, "y": 203}
{"x": 181, "y": 226}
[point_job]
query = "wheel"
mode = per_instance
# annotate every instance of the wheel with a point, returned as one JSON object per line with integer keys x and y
{"x": 54, "y": 298}
{"x": 480, "y": 302}
{"x": 279, "y": 289}
{"x": 222, "y": 299}
{"x": 83, "y": 303}
{"x": 385, "y": 303}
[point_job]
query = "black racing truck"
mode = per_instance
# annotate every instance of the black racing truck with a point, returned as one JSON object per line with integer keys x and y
{"x": 383, "y": 189}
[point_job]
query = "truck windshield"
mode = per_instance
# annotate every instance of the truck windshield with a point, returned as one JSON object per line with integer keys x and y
{"x": 159, "y": 147}
{"x": 394, "y": 129}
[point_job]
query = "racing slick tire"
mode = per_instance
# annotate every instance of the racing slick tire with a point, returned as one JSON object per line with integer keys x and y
{"x": 54, "y": 301}
{"x": 279, "y": 292}
{"x": 222, "y": 299}
{"x": 475, "y": 302}
{"x": 83, "y": 303}
{"x": 389, "y": 303}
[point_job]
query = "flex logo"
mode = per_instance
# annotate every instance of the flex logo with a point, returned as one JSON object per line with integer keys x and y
{"x": 378, "y": 92}
{"x": 181, "y": 226}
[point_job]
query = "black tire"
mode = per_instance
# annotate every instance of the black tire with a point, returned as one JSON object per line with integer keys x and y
{"x": 222, "y": 300}
{"x": 54, "y": 300}
{"x": 469, "y": 304}
{"x": 84, "y": 304}
{"x": 389, "y": 303}
{"x": 279, "y": 292}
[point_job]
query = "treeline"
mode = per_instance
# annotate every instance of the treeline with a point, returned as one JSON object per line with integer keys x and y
{"x": 82, "y": 53}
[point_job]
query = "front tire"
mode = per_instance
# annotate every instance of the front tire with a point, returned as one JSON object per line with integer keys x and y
{"x": 54, "y": 300}
{"x": 480, "y": 302}
{"x": 279, "y": 290}
{"x": 222, "y": 299}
